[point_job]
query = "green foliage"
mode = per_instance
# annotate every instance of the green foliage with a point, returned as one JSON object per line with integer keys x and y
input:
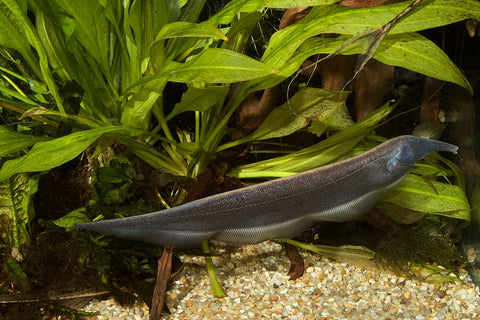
{"x": 431, "y": 197}
{"x": 12, "y": 142}
{"x": 16, "y": 210}
{"x": 321, "y": 153}
{"x": 69, "y": 220}
{"x": 424, "y": 245}
{"x": 46, "y": 155}
{"x": 297, "y": 113}
{"x": 15, "y": 273}
{"x": 94, "y": 74}
{"x": 115, "y": 181}
{"x": 347, "y": 254}
{"x": 199, "y": 99}
{"x": 123, "y": 63}
{"x": 392, "y": 51}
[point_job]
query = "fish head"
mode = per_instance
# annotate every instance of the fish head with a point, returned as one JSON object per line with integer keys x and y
{"x": 409, "y": 149}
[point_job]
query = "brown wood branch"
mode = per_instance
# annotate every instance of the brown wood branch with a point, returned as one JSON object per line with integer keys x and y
{"x": 430, "y": 107}
{"x": 211, "y": 181}
{"x": 336, "y": 72}
{"x": 293, "y": 15}
{"x": 164, "y": 270}
{"x": 460, "y": 114}
{"x": 371, "y": 86}
{"x": 297, "y": 265}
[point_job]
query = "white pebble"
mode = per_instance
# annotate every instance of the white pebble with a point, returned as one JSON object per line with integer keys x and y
{"x": 327, "y": 289}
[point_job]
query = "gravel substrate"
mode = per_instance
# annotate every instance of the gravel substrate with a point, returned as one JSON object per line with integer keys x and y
{"x": 257, "y": 286}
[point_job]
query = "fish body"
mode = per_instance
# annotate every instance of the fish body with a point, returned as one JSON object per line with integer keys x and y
{"x": 284, "y": 207}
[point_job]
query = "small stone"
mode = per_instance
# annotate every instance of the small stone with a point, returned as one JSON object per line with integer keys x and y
{"x": 327, "y": 290}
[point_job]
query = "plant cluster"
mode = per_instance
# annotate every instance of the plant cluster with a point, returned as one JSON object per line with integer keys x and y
{"x": 94, "y": 79}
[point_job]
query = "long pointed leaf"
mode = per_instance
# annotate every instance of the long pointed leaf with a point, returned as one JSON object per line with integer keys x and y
{"x": 46, "y": 155}
{"x": 220, "y": 66}
{"x": 213, "y": 66}
{"x": 295, "y": 114}
{"x": 182, "y": 29}
{"x": 196, "y": 99}
{"x": 35, "y": 41}
{"x": 91, "y": 28}
{"x": 343, "y": 20}
{"x": 316, "y": 155}
{"x": 431, "y": 197}
{"x": 409, "y": 50}
{"x": 282, "y": 4}
{"x": 13, "y": 35}
{"x": 136, "y": 112}
{"x": 11, "y": 141}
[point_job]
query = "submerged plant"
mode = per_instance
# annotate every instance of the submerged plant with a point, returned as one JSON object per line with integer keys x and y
{"x": 96, "y": 74}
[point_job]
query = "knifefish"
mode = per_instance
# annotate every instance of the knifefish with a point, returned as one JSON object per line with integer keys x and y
{"x": 284, "y": 207}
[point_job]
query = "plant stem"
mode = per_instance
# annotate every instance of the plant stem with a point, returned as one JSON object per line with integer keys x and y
{"x": 217, "y": 290}
{"x": 158, "y": 112}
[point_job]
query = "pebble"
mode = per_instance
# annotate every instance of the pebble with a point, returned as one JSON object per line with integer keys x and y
{"x": 327, "y": 290}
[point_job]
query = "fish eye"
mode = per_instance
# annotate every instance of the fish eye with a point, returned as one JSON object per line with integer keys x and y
{"x": 392, "y": 164}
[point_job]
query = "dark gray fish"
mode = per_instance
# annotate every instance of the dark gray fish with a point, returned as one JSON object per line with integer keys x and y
{"x": 280, "y": 208}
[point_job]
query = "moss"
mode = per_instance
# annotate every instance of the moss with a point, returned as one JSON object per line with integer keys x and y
{"x": 426, "y": 242}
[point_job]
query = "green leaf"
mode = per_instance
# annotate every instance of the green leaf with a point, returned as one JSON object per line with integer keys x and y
{"x": 431, "y": 197}
{"x": 240, "y": 32}
{"x": 69, "y": 220}
{"x": 192, "y": 10}
{"x": 53, "y": 40}
{"x": 316, "y": 155}
{"x": 286, "y": 4}
{"x": 436, "y": 13}
{"x": 16, "y": 207}
{"x": 46, "y": 155}
{"x": 13, "y": 35}
{"x": 35, "y": 112}
{"x": 339, "y": 120}
{"x": 215, "y": 286}
{"x": 91, "y": 28}
{"x": 415, "y": 52}
{"x": 220, "y": 66}
{"x": 399, "y": 214}
{"x": 360, "y": 256}
{"x": 433, "y": 273}
{"x": 154, "y": 157}
{"x": 199, "y": 99}
{"x": 16, "y": 275}
{"x": 136, "y": 112}
{"x": 34, "y": 39}
{"x": 182, "y": 29}
{"x": 343, "y": 20}
{"x": 11, "y": 141}
{"x": 410, "y": 50}
{"x": 295, "y": 114}
{"x": 20, "y": 96}
{"x": 232, "y": 8}
{"x": 213, "y": 66}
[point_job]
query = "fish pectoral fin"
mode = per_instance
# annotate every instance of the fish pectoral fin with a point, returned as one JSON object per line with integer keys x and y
{"x": 406, "y": 165}
{"x": 395, "y": 164}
